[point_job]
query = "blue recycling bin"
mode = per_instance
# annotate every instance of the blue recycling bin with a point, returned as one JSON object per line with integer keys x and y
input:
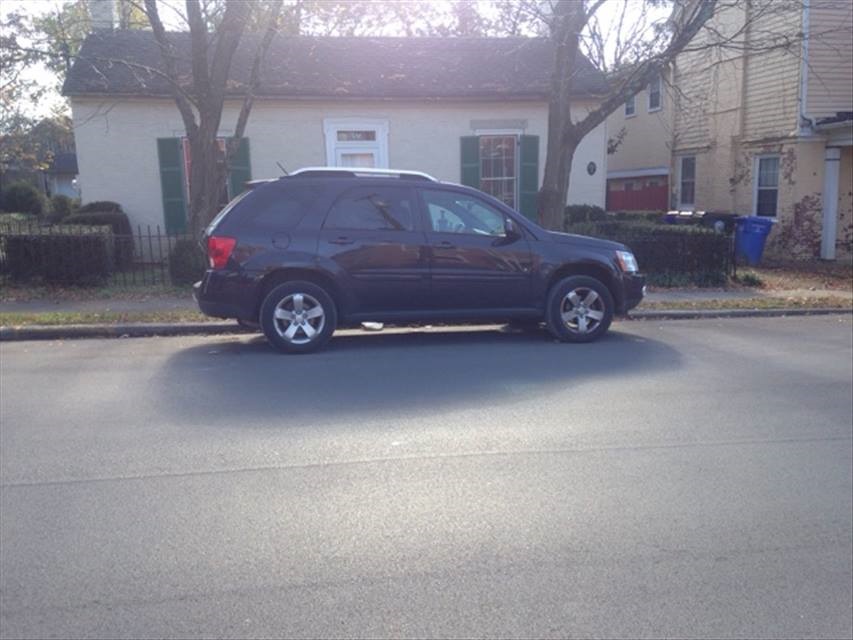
{"x": 750, "y": 236}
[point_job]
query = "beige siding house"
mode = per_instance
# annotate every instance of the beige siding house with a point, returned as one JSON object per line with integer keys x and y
{"x": 638, "y": 174}
{"x": 763, "y": 127}
{"x": 470, "y": 110}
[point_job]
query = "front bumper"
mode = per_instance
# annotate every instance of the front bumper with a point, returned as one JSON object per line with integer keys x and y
{"x": 634, "y": 288}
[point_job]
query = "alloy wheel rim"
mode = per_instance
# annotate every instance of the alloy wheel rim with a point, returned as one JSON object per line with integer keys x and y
{"x": 299, "y": 318}
{"x": 582, "y": 310}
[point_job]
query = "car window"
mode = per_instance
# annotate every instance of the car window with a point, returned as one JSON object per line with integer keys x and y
{"x": 275, "y": 207}
{"x": 443, "y": 220}
{"x": 451, "y": 212}
{"x": 225, "y": 211}
{"x": 372, "y": 209}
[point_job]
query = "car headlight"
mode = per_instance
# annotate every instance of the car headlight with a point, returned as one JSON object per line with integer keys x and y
{"x": 627, "y": 261}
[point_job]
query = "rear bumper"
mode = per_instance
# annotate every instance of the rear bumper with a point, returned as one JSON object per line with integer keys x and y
{"x": 634, "y": 288}
{"x": 227, "y": 295}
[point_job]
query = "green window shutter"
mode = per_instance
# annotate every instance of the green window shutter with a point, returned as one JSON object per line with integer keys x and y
{"x": 528, "y": 187}
{"x": 470, "y": 146}
{"x": 172, "y": 184}
{"x": 239, "y": 170}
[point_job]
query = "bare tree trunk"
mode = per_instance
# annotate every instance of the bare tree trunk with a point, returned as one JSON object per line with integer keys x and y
{"x": 565, "y": 134}
{"x": 207, "y": 177}
{"x": 555, "y": 184}
{"x": 569, "y": 18}
{"x": 201, "y": 103}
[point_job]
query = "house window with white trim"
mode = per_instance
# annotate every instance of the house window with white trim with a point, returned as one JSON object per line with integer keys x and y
{"x": 356, "y": 142}
{"x": 630, "y": 106}
{"x": 499, "y": 167}
{"x": 767, "y": 186}
{"x": 655, "y": 94}
{"x": 687, "y": 182}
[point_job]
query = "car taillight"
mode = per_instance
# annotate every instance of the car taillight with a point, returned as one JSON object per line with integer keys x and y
{"x": 219, "y": 249}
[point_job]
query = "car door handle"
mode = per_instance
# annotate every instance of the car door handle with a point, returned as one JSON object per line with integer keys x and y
{"x": 341, "y": 240}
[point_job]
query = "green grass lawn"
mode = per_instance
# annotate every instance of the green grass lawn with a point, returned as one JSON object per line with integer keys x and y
{"x": 20, "y": 293}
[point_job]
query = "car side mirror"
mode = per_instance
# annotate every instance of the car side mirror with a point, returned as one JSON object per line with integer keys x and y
{"x": 511, "y": 229}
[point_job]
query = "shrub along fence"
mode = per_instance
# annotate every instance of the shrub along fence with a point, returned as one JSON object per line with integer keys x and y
{"x": 96, "y": 254}
{"x": 670, "y": 255}
{"x": 102, "y": 253}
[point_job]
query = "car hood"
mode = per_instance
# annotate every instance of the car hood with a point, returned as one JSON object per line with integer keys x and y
{"x": 585, "y": 241}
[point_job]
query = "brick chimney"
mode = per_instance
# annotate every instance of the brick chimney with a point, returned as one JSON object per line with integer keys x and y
{"x": 102, "y": 14}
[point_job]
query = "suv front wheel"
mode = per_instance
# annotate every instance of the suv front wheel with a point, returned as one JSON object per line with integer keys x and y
{"x": 298, "y": 317}
{"x": 579, "y": 309}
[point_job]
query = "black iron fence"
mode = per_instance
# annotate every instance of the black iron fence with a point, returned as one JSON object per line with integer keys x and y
{"x": 95, "y": 255}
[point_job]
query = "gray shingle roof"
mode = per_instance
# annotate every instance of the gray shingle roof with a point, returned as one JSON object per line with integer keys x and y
{"x": 127, "y": 62}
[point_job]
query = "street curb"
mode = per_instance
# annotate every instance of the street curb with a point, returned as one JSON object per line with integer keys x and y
{"x": 130, "y": 330}
{"x": 148, "y": 330}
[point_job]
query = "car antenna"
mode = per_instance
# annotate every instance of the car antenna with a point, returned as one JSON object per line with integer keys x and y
{"x": 283, "y": 170}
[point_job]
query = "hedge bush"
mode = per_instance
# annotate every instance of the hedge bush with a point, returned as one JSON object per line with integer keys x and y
{"x": 187, "y": 262}
{"x": 60, "y": 208}
{"x": 638, "y": 216}
{"x": 74, "y": 258}
{"x": 670, "y": 255}
{"x": 577, "y": 213}
{"x": 20, "y": 197}
{"x": 117, "y": 221}
{"x": 100, "y": 206}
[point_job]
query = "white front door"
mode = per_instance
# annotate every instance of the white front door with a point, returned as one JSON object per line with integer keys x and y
{"x": 362, "y": 157}
{"x": 356, "y": 142}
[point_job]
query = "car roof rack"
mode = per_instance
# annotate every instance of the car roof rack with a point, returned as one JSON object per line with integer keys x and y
{"x": 251, "y": 184}
{"x": 355, "y": 172}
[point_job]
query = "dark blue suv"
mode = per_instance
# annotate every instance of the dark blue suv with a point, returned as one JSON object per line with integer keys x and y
{"x": 326, "y": 248}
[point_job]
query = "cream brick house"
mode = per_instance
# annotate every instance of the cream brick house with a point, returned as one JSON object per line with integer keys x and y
{"x": 763, "y": 129}
{"x": 470, "y": 110}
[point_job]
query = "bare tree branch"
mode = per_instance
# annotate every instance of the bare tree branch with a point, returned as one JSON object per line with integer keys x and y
{"x": 167, "y": 51}
{"x": 274, "y": 14}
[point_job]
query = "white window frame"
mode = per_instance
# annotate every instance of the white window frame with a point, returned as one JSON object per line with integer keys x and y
{"x": 633, "y": 102}
{"x": 681, "y": 205}
{"x": 756, "y": 166}
{"x": 649, "y": 106}
{"x": 331, "y": 127}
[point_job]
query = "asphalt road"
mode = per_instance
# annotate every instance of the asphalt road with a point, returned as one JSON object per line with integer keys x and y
{"x": 681, "y": 479}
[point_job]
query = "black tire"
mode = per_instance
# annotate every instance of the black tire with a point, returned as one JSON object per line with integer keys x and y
{"x": 585, "y": 320}
{"x": 307, "y": 332}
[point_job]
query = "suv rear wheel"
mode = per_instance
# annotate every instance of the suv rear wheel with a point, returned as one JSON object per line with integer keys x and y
{"x": 298, "y": 317}
{"x": 579, "y": 309}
